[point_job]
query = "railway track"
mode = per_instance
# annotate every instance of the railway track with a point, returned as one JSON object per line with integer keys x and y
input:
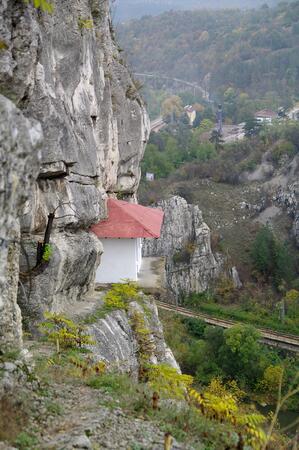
{"x": 269, "y": 337}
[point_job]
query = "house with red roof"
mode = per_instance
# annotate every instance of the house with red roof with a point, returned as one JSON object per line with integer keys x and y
{"x": 121, "y": 235}
{"x": 265, "y": 116}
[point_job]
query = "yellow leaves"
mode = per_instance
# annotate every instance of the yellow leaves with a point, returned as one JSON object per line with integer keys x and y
{"x": 168, "y": 382}
{"x": 271, "y": 379}
{"x": 252, "y": 420}
{"x": 120, "y": 294}
{"x": 114, "y": 301}
{"x": 292, "y": 295}
{"x": 43, "y": 5}
{"x": 50, "y": 362}
{"x": 85, "y": 23}
{"x": 221, "y": 405}
{"x": 3, "y": 45}
{"x": 64, "y": 332}
{"x": 88, "y": 367}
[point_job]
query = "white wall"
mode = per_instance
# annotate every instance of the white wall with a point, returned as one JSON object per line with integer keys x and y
{"x": 139, "y": 253}
{"x": 119, "y": 261}
{"x": 264, "y": 119}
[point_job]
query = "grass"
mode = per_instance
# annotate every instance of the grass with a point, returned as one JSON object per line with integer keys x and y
{"x": 25, "y": 441}
{"x": 15, "y": 424}
{"x": 104, "y": 310}
{"x": 183, "y": 422}
{"x": 111, "y": 383}
{"x": 100, "y": 313}
{"x": 9, "y": 355}
{"x": 54, "y": 408}
{"x": 188, "y": 426}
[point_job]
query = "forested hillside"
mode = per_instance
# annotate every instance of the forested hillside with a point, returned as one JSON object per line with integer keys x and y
{"x": 233, "y": 52}
{"x": 129, "y": 9}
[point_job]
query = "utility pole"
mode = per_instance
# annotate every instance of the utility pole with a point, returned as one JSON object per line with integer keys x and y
{"x": 219, "y": 118}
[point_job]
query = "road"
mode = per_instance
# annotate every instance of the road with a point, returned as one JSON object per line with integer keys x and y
{"x": 269, "y": 337}
{"x": 157, "y": 124}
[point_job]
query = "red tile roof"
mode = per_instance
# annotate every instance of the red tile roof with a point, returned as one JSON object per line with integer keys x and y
{"x": 266, "y": 113}
{"x": 128, "y": 220}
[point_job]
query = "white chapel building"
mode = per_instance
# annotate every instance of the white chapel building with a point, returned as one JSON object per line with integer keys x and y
{"x": 121, "y": 235}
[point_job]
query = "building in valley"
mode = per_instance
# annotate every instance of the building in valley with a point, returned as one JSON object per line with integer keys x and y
{"x": 265, "y": 116}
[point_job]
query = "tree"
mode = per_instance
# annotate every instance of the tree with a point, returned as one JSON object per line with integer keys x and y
{"x": 252, "y": 127}
{"x": 292, "y": 303}
{"x": 205, "y": 125}
{"x": 172, "y": 107}
{"x": 156, "y": 162}
{"x": 271, "y": 257}
{"x": 271, "y": 379}
{"x": 241, "y": 355}
{"x": 216, "y": 139}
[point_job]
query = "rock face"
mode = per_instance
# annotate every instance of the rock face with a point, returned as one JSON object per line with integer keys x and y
{"x": 185, "y": 241}
{"x": 116, "y": 343}
{"x": 286, "y": 192}
{"x": 64, "y": 70}
{"x": 20, "y": 139}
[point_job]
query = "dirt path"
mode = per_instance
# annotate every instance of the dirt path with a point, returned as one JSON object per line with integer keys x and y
{"x": 69, "y": 415}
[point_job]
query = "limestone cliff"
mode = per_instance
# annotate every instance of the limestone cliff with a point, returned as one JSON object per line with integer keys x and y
{"x": 63, "y": 70}
{"x": 286, "y": 192}
{"x": 280, "y": 182}
{"x": 115, "y": 334}
{"x": 185, "y": 241}
{"x": 20, "y": 139}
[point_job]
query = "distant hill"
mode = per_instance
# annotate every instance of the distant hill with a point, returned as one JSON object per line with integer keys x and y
{"x": 254, "y": 52}
{"x": 130, "y": 9}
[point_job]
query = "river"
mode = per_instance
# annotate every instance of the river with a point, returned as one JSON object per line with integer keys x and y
{"x": 285, "y": 418}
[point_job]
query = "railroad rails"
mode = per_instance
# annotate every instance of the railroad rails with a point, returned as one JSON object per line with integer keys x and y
{"x": 269, "y": 337}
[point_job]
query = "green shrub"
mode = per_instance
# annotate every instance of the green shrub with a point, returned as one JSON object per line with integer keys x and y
{"x": 184, "y": 255}
{"x": 195, "y": 327}
{"x": 47, "y": 253}
{"x": 9, "y": 355}
{"x": 282, "y": 148}
{"x": 225, "y": 291}
{"x": 64, "y": 332}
